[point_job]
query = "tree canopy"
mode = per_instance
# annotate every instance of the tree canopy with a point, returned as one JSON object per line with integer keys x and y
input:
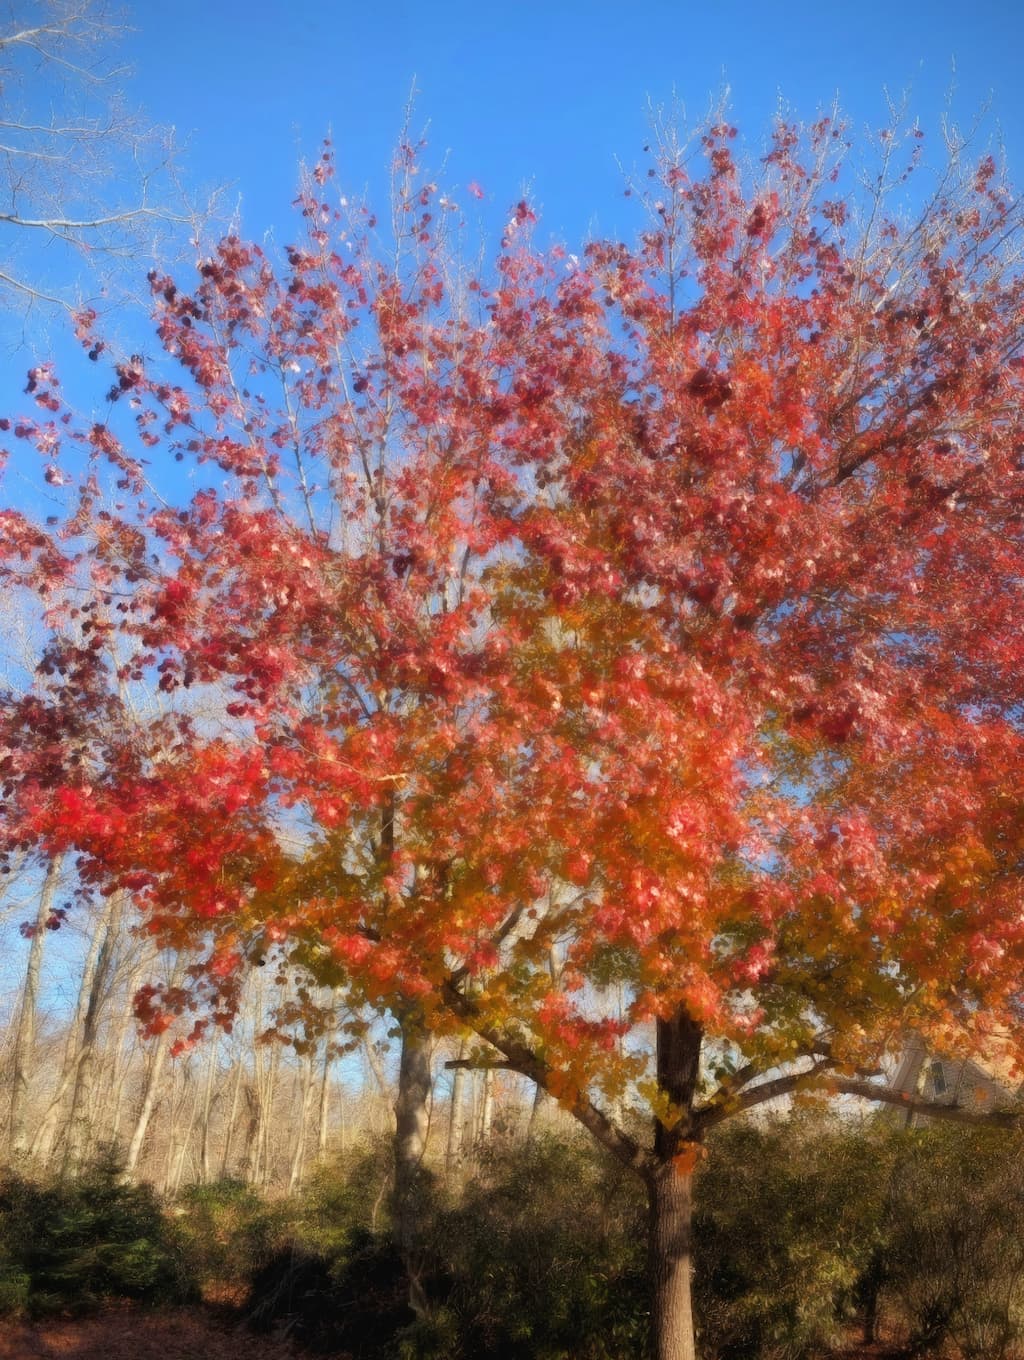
{"x": 658, "y": 605}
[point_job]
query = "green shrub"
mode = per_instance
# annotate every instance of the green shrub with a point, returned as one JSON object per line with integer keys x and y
{"x": 70, "y": 1246}
{"x": 954, "y": 1259}
{"x": 545, "y": 1256}
{"x": 344, "y": 1200}
{"x": 228, "y": 1232}
{"x": 784, "y": 1231}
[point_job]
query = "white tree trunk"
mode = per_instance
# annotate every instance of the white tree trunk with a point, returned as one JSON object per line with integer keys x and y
{"x": 25, "y": 1039}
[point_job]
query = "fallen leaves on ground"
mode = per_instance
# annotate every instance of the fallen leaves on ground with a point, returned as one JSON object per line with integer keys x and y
{"x": 136, "y": 1334}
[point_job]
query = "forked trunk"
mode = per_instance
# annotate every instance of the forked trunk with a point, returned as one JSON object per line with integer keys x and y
{"x": 670, "y": 1214}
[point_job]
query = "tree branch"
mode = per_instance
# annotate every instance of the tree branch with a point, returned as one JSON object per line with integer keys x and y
{"x": 708, "y": 1116}
{"x": 522, "y": 1059}
{"x": 866, "y": 1090}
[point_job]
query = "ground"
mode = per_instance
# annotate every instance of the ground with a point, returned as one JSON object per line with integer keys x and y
{"x": 180, "y": 1334}
{"x": 136, "y": 1334}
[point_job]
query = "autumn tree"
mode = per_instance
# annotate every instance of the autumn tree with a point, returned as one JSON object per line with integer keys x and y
{"x": 657, "y": 606}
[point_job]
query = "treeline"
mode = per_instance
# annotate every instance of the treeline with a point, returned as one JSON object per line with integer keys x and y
{"x": 812, "y": 1233}
{"x": 298, "y": 1074}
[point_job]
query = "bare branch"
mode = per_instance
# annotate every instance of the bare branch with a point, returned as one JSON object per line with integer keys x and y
{"x": 760, "y": 1094}
{"x": 959, "y": 1114}
{"x": 521, "y": 1058}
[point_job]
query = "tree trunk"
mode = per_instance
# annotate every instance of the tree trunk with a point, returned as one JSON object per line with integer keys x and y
{"x": 80, "y": 1123}
{"x": 267, "y": 1101}
{"x": 177, "y": 1175}
{"x": 25, "y": 1041}
{"x": 236, "y": 1087}
{"x": 670, "y": 1211}
{"x": 486, "y": 1109}
{"x": 46, "y": 1134}
{"x": 323, "y": 1122}
{"x": 456, "y": 1115}
{"x": 305, "y": 1106}
{"x": 411, "y": 1177}
{"x": 539, "y": 1106}
{"x": 205, "y": 1173}
{"x": 253, "y": 1141}
{"x": 670, "y": 1190}
{"x": 152, "y": 1087}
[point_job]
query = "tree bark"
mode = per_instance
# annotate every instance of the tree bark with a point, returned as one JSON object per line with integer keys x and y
{"x": 456, "y": 1115}
{"x": 152, "y": 1087}
{"x": 412, "y": 1180}
{"x": 79, "y": 1131}
{"x": 305, "y": 1106}
{"x": 669, "y": 1207}
{"x": 205, "y": 1172}
{"x": 236, "y": 1087}
{"x": 324, "y": 1115}
{"x": 486, "y": 1108}
{"x": 670, "y": 1190}
{"x": 670, "y": 1213}
{"x": 46, "y": 1134}
{"x": 25, "y": 1040}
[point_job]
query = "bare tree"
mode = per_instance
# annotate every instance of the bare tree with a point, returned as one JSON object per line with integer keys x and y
{"x": 25, "y": 1037}
{"x": 84, "y": 180}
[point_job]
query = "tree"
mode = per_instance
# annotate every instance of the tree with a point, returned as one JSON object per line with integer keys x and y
{"x": 657, "y": 606}
{"x": 81, "y": 173}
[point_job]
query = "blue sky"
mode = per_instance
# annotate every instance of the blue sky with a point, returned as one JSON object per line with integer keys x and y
{"x": 542, "y": 94}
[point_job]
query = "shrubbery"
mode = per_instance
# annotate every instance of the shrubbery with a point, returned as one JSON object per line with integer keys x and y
{"x": 69, "y": 1246}
{"x": 804, "y": 1227}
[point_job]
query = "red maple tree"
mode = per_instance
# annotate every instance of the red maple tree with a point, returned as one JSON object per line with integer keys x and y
{"x": 660, "y": 606}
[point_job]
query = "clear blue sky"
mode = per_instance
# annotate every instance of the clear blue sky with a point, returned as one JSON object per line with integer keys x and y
{"x": 543, "y": 94}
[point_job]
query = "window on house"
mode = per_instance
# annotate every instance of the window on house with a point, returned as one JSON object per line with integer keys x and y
{"x": 938, "y": 1079}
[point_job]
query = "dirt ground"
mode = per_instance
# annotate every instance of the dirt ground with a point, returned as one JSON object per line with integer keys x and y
{"x": 195, "y": 1333}
{"x": 134, "y": 1334}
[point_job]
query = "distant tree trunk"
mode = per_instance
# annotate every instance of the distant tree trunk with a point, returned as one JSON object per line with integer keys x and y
{"x": 541, "y": 1101}
{"x": 305, "y": 1106}
{"x": 411, "y": 1177}
{"x": 323, "y": 1120}
{"x": 267, "y": 1098}
{"x": 456, "y": 1114}
{"x": 178, "y": 1173}
{"x": 25, "y": 1039}
{"x": 486, "y": 1108}
{"x": 229, "y": 1132}
{"x": 121, "y": 1063}
{"x": 253, "y": 1141}
{"x": 151, "y": 1089}
{"x": 204, "y": 1128}
{"x": 83, "y": 1099}
{"x": 46, "y": 1133}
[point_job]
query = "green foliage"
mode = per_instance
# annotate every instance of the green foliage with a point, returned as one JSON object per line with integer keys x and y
{"x": 545, "y": 1253}
{"x": 71, "y": 1246}
{"x": 802, "y": 1226}
{"x": 954, "y": 1258}
{"x": 784, "y": 1228}
{"x": 541, "y": 1256}
{"x": 228, "y": 1232}
{"x": 346, "y": 1199}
